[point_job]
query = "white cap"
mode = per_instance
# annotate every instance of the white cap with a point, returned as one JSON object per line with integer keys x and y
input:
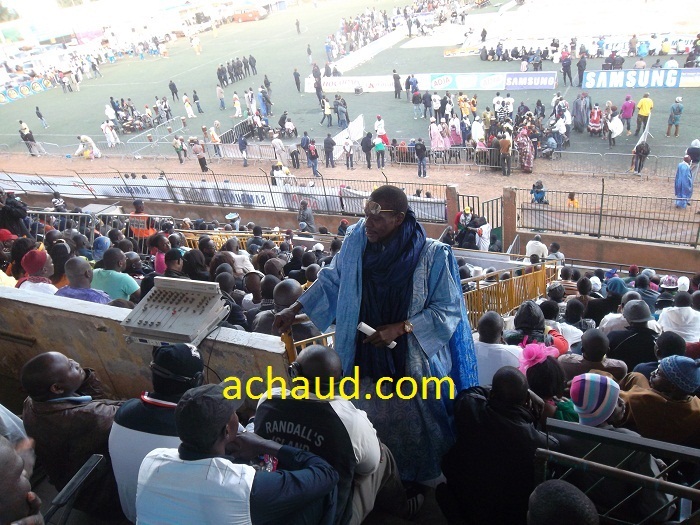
{"x": 683, "y": 284}
{"x": 318, "y": 247}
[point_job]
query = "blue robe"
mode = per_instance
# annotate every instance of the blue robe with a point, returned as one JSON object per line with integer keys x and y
{"x": 417, "y": 431}
{"x": 684, "y": 185}
{"x": 261, "y": 105}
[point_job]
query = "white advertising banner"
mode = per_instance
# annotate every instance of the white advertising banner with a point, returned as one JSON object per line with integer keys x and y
{"x": 321, "y": 198}
{"x": 21, "y": 183}
{"x": 369, "y": 84}
{"x": 425, "y": 209}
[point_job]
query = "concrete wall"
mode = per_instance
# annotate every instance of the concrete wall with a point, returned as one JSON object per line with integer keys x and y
{"x": 33, "y": 323}
{"x": 621, "y": 254}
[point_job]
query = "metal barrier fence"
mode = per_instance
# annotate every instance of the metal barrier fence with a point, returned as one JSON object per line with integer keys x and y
{"x": 137, "y": 146}
{"x": 244, "y": 128}
{"x": 652, "y": 219}
{"x": 493, "y": 211}
{"x": 469, "y": 200}
{"x": 612, "y": 459}
{"x": 260, "y": 191}
{"x": 567, "y": 162}
{"x": 506, "y": 295}
{"x": 221, "y": 237}
{"x": 90, "y": 224}
{"x": 456, "y": 155}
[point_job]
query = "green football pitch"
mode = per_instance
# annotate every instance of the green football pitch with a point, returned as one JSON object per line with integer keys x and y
{"x": 278, "y": 50}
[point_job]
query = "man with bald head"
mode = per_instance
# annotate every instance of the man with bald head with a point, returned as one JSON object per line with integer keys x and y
{"x": 251, "y": 283}
{"x": 594, "y": 346}
{"x": 406, "y": 287}
{"x": 51, "y": 237}
{"x": 336, "y": 431}
{"x": 110, "y": 278}
{"x": 307, "y": 259}
{"x": 79, "y": 274}
{"x": 695, "y": 300}
{"x": 536, "y": 246}
{"x": 311, "y": 274}
{"x": 490, "y": 470}
{"x": 491, "y": 352}
{"x": 207, "y": 247}
{"x": 267, "y": 290}
{"x": 284, "y": 295}
{"x": 69, "y": 422}
{"x": 237, "y": 317}
{"x": 135, "y": 266}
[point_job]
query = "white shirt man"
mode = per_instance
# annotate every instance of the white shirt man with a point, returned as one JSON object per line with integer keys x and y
{"x": 379, "y": 127}
{"x": 483, "y": 237}
{"x": 497, "y": 100}
{"x": 683, "y": 320}
{"x": 490, "y": 357}
{"x": 347, "y": 146}
{"x": 671, "y": 63}
{"x": 510, "y": 104}
{"x": 435, "y": 99}
{"x": 491, "y": 353}
{"x": 555, "y": 99}
{"x": 536, "y": 246}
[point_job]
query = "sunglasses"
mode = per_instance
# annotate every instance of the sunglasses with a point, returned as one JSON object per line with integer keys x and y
{"x": 294, "y": 370}
{"x": 374, "y": 208}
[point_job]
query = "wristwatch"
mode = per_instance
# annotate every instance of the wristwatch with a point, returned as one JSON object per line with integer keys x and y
{"x": 407, "y": 326}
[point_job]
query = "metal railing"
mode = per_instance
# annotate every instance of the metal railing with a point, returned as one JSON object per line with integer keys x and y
{"x": 628, "y": 452}
{"x": 469, "y": 200}
{"x": 293, "y": 348}
{"x": 335, "y": 196}
{"x": 503, "y": 296}
{"x": 221, "y": 237}
{"x": 612, "y": 163}
{"x": 90, "y": 224}
{"x": 493, "y": 211}
{"x": 651, "y": 219}
{"x": 455, "y": 155}
{"x": 661, "y": 165}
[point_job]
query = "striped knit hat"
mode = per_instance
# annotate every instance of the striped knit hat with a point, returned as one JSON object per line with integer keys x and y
{"x": 594, "y": 397}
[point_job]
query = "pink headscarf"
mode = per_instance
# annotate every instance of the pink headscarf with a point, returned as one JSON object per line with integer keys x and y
{"x": 534, "y": 354}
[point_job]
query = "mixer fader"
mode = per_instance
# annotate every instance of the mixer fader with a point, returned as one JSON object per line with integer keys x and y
{"x": 176, "y": 311}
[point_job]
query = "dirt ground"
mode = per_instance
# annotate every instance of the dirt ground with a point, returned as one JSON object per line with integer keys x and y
{"x": 487, "y": 184}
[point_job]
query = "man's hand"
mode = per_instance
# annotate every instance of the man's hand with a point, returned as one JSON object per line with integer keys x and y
{"x": 34, "y": 517}
{"x": 385, "y": 334}
{"x": 25, "y": 450}
{"x": 285, "y": 318}
{"x": 247, "y": 446}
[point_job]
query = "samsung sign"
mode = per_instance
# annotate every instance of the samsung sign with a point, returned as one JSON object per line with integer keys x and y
{"x": 638, "y": 78}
